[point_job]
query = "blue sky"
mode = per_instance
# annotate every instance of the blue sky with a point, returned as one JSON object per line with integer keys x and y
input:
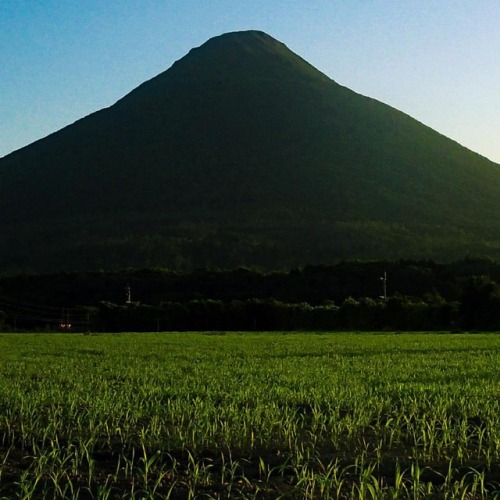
{"x": 437, "y": 60}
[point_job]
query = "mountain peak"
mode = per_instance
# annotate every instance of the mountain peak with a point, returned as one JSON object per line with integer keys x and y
{"x": 234, "y": 58}
{"x": 249, "y": 36}
{"x": 250, "y": 41}
{"x": 250, "y": 54}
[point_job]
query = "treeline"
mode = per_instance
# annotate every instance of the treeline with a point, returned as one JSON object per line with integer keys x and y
{"x": 420, "y": 296}
{"x": 479, "y": 309}
{"x": 311, "y": 284}
{"x": 396, "y": 313}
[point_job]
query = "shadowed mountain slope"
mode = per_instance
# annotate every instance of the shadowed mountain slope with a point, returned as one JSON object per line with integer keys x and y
{"x": 242, "y": 153}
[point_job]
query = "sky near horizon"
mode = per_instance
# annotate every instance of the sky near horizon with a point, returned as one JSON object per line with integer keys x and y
{"x": 436, "y": 60}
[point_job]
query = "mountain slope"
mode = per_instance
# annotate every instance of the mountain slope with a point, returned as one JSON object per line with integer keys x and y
{"x": 244, "y": 154}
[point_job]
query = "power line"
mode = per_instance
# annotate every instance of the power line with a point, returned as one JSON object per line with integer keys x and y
{"x": 41, "y": 313}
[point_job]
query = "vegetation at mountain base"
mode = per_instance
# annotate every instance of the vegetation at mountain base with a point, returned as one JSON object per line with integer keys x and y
{"x": 243, "y": 154}
{"x": 421, "y": 295}
{"x": 259, "y": 416}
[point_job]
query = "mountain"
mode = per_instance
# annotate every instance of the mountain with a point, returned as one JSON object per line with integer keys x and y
{"x": 242, "y": 153}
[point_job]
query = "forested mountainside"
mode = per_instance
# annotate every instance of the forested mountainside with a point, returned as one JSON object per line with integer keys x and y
{"x": 243, "y": 154}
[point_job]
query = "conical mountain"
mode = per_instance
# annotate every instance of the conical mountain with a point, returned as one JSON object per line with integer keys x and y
{"x": 242, "y": 153}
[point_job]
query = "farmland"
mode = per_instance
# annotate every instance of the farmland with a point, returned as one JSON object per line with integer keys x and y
{"x": 249, "y": 415}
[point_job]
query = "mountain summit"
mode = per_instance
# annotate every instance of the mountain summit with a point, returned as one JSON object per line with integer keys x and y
{"x": 242, "y": 153}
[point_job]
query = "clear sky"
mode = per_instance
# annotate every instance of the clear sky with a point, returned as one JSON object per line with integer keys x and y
{"x": 437, "y": 60}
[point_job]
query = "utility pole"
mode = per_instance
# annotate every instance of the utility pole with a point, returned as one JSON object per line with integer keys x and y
{"x": 128, "y": 291}
{"x": 384, "y": 286}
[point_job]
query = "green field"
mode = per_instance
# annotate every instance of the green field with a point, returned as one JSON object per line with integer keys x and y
{"x": 252, "y": 415}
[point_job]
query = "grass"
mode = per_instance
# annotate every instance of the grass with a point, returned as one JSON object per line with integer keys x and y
{"x": 250, "y": 415}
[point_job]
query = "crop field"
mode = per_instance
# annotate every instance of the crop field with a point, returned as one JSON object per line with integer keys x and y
{"x": 250, "y": 415}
